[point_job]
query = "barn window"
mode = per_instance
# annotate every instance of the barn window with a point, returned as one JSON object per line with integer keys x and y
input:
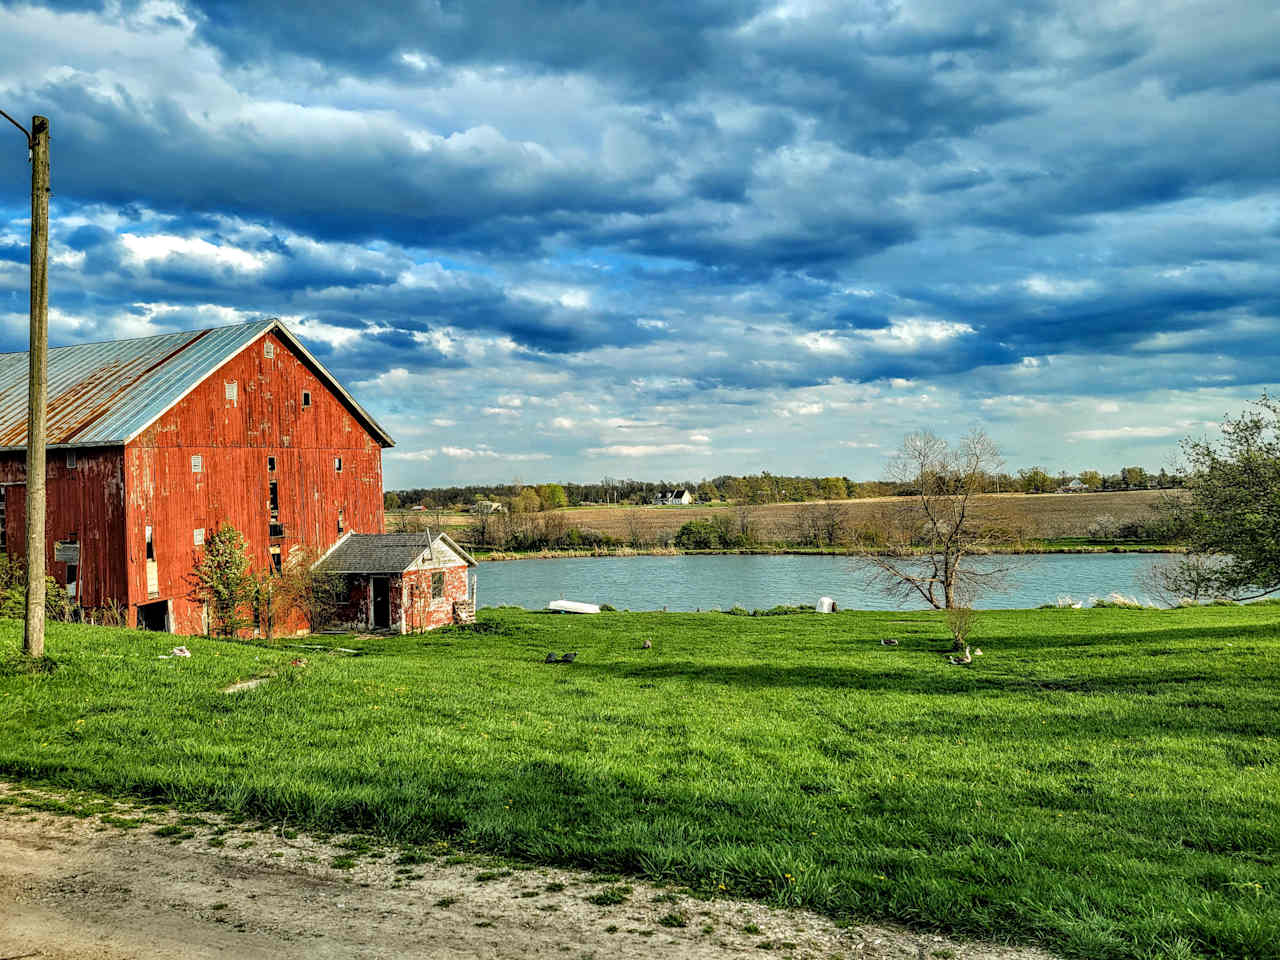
{"x": 437, "y": 586}
{"x": 306, "y": 398}
{"x": 4, "y": 526}
{"x": 268, "y": 349}
{"x": 71, "y": 459}
{"x": 276, "y": 528}
{"x": 151, "y": 546}
{"x": 275, "y": 559}
{"x": 271, "y": 464}
{"x": 232, "y": 388}
{"x": 197, "y": 463}
{"x": 337, "y": 464}
{"x": 341, "y": 523}
{"x": 197, "y": 537}
{"x": 73, "y": 576}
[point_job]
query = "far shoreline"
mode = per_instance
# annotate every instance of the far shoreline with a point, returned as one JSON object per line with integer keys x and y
{"x": 498, "y": 556}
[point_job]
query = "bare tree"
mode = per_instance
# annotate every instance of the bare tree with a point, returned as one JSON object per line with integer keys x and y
{"x": 745, "y": 520}
{"x": 637, "y": 536}
{"x": 1187, "y": 580}
{"x": 935, "y": 536}
{"x": 819, "y": 524}
{"x": 479, "y": 530}
{"x": 807, "y": 527}
{"x": 833, "y": 519}
{"x": 316, "y": 594}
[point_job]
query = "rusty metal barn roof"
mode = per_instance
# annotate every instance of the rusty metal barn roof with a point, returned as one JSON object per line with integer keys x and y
{"x": 105, "y": 394}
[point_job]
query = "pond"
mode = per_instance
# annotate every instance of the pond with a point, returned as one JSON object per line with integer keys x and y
{"x": 758, "y": 582}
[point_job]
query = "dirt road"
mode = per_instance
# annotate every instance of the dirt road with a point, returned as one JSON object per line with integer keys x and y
{"x": 105, "y": 886}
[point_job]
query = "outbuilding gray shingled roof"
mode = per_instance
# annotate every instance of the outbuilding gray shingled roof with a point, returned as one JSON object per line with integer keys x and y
{"x": 380, "y": 552}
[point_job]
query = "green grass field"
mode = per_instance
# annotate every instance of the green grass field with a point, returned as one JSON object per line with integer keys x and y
{"x": 1102, "y": 782}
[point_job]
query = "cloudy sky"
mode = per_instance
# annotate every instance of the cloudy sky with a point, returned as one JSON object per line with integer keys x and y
{"x": 676, "y": 239}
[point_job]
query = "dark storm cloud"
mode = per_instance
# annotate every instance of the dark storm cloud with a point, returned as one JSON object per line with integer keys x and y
{"x": 659, "y": 42}
{"x": 881, "y": 90}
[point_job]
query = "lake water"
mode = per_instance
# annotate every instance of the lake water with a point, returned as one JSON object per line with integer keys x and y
{"x": 720, "y": 582}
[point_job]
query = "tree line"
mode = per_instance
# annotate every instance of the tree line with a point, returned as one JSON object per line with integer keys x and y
{"x": 759, "y": 488}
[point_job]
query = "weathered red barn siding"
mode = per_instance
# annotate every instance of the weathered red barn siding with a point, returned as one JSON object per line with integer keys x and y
{"x": 353, "y": 611}
{"x": 85, "y": 502}
{"x": 420, "y": 611}
{"x": 234, "y": 438}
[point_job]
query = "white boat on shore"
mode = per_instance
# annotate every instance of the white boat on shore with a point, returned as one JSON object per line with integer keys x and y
{"x": 572, "y": 606}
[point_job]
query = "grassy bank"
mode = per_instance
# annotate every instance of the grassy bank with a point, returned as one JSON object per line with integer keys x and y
{"x": 1104, "y": 782}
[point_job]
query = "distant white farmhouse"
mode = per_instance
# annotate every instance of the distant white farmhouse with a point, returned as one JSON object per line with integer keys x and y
{"x": 671, "y": 497}
{"x": 1075, "y": 486}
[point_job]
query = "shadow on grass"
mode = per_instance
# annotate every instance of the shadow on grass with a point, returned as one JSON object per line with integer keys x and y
{"x": 17, "y": 663}
{"x": 922, "y": 670}
{"x": 925, "y": 682}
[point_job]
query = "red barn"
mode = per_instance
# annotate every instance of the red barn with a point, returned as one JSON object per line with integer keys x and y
{"x": 155, "y": 442}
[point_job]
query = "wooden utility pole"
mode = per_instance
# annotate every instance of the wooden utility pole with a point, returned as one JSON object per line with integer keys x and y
{"x": 33, "y": 637}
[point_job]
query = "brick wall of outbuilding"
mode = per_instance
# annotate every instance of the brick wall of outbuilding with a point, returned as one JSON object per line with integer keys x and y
{"x": 421, "y": 612}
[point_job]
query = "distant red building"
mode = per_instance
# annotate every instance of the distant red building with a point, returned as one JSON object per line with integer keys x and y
{"x": 155, "y": 442}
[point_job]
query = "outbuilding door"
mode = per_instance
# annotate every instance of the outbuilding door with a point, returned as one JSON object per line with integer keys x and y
{"x": 382, "y": 602}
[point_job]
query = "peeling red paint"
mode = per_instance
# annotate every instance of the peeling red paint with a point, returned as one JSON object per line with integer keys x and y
{"x": 85, "y": 502}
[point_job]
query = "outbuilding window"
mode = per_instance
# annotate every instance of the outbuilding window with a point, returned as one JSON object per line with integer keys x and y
{"x": 197, "y": 463}
{"x": 71, "y": 459}
{"x": 341, "y": 523}
{"x": 337, "y": 464}
{"x": 197, "y": 537}
{"x": 306, "y": 398}
{"x": 271, "y": 464}
{"x": 437, "y": 586}
{"x": 268, "y": 350}
{"x": 233, "y": 391}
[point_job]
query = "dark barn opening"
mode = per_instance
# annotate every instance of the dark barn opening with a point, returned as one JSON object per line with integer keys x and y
{"x": 154, "y": 616}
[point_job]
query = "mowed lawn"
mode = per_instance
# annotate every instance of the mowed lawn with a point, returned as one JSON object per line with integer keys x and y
{"x": 1103, "y": 782}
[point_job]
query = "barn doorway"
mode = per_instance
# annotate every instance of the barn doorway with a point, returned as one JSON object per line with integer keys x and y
{"x": 154, "y": 616}
{"x": 382, "y": 602}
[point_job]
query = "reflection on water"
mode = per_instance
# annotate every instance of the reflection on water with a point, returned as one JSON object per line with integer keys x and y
{"x": 720, "y": 582}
